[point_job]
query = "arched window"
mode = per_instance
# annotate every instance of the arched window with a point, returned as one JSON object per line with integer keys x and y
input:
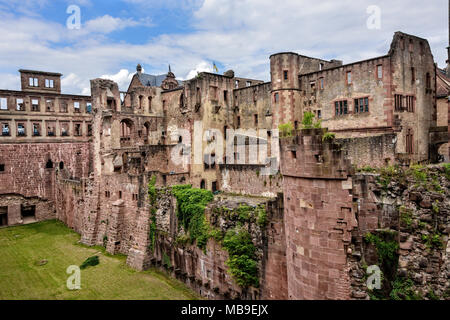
{"x": 182, "y": 101}
{"x": 147, "y": 129}
{"x": 203, "y": 184}
{"x": 61, "y": 165}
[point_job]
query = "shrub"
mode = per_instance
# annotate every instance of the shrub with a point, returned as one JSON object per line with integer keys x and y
{"x": 242, "y": 262}
{"x": 191, "y": 212}
{"x": 328, "y": 136}
{"x": 307, "y": 122}
{"x": 286, "y": 130}
{"x": 90, "y": 262}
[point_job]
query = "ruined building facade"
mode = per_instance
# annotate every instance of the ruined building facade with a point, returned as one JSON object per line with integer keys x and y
{"x": 88, "y": 161}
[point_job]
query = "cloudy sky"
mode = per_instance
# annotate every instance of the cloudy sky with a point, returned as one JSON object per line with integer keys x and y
{"x": 190, "y": 35}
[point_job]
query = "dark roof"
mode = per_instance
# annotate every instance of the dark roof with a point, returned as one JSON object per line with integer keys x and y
{"x": 41, "y": 72}
{"x": 150, "y": 80}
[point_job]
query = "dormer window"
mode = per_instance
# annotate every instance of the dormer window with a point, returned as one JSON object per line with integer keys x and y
{"x": 33, "y": 82}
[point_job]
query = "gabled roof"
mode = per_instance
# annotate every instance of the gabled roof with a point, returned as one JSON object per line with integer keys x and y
{"x": 442, "y": 85}
{"x": 150, "y": 80}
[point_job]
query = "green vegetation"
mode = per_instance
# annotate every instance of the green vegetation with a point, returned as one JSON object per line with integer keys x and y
{"x": 402, "y": 289}
{"x": 152, "y": 195}
{"x": 286, "y": 130}
{"x": 386, "y": 249}
{"x": 242, "y": 262}
{"x": 406, "y": 216}
{"x": 447, "y": 170}
{"x": 23, "y": 275}
{"x": 90, "y": 262}
{"x": 191, "y": 212}
{"x": 329, "y": 136}
{"x": 433, "y": 240}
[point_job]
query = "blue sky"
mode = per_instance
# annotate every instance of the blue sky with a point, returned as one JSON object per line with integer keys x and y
{"x": 115, "y": 35}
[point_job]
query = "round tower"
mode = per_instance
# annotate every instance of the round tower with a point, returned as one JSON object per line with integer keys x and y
{"x": 284, "y": 68}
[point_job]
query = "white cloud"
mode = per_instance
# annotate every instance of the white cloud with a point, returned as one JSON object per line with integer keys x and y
{"x": 201, "y": 67}
{"x": 108, "y": 24}
{"x": 240, "y": 34}
{"x": 122, "y": 78}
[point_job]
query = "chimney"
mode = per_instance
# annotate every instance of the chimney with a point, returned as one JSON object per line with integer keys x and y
{"x": 139, "y": 68}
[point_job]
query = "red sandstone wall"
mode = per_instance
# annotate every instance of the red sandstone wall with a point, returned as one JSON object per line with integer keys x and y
{"x": 318, "y": 217}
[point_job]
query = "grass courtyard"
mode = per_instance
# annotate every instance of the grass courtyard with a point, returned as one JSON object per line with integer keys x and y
{"x": 34, "y": 259}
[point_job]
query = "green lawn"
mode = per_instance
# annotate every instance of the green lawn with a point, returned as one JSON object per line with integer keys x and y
{"x": 21, "y": 276}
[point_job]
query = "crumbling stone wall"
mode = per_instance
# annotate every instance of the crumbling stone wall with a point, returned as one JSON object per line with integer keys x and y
{"x": 205, "y": 270}
{"x": 412, "y": 205}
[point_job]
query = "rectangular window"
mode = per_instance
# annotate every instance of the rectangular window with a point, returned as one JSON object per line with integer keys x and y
{"x": 77, "y": 129}
{"x": 49, "y": 105}
{"x": 36, "y": 129}
{"x": 285, "y": 75}
{"x": 5, "y": 129}
{"x": 410, "y": 103}
{"x": 413, "y": 75}
{"x": 64, "y": 129}
{"x": 236, "y": 84}
{"x": 89, "y": 106}
{"x": 63, "y": 106}
{"x": 35, "y": 105}
{"x": 321, "y": 83}
{"x": 49, "y": 83}
{"x": 398, "y": 102}
{"x": 3, "y": 104}
{"x": 276, "y": 97}
{"x": 349, "y": 77}
{"x": 341, "y": 107}
{"x": 76, "y": 106}
{"x": 20, "y": 105}
{"x": 319, "y": 114}
{"x": 248, "y": 83}
{"x": 380, "y": 72}
{"x": 2, "y": 167}
{"x": 51, "y": 132}
{"x": 33, "y": 82}
{"x": 238, "y": 122}
{"x": 89, "y": 128}
{"x": 256, "y": 120}
{"x": 320, "y": 66}
{"x": 21, "y": 132}
{"x": 361, "y": 105}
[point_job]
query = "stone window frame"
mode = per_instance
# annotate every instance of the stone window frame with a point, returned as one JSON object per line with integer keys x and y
{"x": 23, "y": 124}
{"x": 5, "y": 124}
{"x": 33, "y": 109}
{"x": 63, "y": 105}
{"x": 366, "y": 106}
{"x": 47, "y": 109}
{"x": 33, "y": 82}
{"x": 75, "y": 109}
{"x": 47, "y": 126}
{"x": 286, "y": 75}
{"x": 322, "y": 83}
{"x": 348, "y": 77}
{"x": 379, "y": 71}
{"x": 75, "y": 133}
{"x": 88, "y": 107}
{"x": 341, "y": 107}
{"x": 62, "y": 125}
{"x": 39, "y": 132}
{"x": 50, "y": 83}
{"x": 20, "y": 106}
{"x": 4, "y": 104}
